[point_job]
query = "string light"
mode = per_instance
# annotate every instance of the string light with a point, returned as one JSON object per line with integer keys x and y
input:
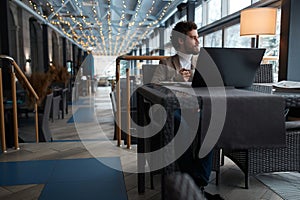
{"x": 108, "y": 37}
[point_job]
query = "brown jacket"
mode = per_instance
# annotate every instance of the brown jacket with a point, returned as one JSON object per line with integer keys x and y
{"x": 168, "y": 70}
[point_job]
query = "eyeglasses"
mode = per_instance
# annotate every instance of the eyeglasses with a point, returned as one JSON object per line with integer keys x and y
{"x": 193, "y": 37}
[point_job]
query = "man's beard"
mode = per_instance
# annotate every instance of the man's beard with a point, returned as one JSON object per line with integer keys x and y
{"x": 194, "y": 50}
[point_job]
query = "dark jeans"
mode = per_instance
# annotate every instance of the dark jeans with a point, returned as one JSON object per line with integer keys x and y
{"x": 198, "y": 169}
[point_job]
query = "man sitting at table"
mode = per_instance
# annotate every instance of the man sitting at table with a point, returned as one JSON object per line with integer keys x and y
{"x": 180, "y": 68}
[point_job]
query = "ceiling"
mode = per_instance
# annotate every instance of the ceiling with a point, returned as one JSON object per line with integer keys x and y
{"x": 106, "y": 27}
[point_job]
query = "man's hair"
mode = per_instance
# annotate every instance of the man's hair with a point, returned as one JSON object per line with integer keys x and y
{"x": 180, "y": 31}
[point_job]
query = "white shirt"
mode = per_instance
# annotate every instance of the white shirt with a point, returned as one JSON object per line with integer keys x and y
{"x": 185, "y": 60}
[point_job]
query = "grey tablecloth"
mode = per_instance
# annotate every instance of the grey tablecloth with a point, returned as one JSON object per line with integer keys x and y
{"x": 252, "y": 119}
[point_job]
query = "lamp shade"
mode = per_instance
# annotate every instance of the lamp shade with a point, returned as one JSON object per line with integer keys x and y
{"x": 258, "y": 21}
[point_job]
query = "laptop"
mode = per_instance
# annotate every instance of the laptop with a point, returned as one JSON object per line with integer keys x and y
{"x": 234, "y": 67}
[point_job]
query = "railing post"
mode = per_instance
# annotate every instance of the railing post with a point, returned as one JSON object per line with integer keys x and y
{"x": 3, "y": 139}
{"x": 22, "y": 78}
{"x": 15, "y": 112}
{"x": 36, "y": 122}
{"x": 128, "y": 108}
{"x": 118, "y": 95}
{"x": 118, "y": 103}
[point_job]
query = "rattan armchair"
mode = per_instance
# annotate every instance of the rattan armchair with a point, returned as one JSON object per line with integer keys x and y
{"x": 264, "y": 74}
{"x": 265, "y": 160}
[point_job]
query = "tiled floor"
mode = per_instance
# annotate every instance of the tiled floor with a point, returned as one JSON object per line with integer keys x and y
{"x": 86, "y": 140}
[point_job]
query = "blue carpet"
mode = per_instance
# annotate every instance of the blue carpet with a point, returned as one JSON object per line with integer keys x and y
{"x": 67, "y": 179}
{"x": 83, "y": 115}
{"x": 285, "y": 184}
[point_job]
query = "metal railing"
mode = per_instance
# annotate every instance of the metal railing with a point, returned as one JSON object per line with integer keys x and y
{"x": 118, "y": 113}
{"x": 15, "y": 72}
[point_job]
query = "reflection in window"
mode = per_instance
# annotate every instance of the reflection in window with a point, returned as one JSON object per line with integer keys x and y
{"x": 167, "y": 34}
{"x": 214, "y": 10}
{"x": 183, "y": 18}
{"x": 271, "y": 44}
{"x": 236, "y": 5}
{"x": 232, "y": 37}
{"x": 198, "y": 16}
{"x": 200, "y": 41}
{"x": 213, "y": 39}
{"x": 254, "y": 1}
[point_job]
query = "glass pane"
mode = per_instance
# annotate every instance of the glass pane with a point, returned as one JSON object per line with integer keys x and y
{"x": 254, "y": 1}
{"x": 232, "y": 37}
{"x": 200, "y": 41}
{"x": 198, "y": 16}
{"x": 236, "y": 5}
{"x": 183, "y": 18}
{"x": 213, "y": 39}
{"x": 167, "y": 34}
{"x": 271, "y": 44}
{"x": 214, "y": 10}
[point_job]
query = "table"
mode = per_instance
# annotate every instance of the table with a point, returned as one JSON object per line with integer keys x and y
{"x": 292, "y": 100}
{"x": 233, "y": 135}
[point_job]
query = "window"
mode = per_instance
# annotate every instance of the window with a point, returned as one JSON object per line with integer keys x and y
{"x": 201, "y": 41}
{"x": 271, "y": 44}
{"x": 213, "y": 39}
{"x": 236, "y": 5}
{"x": 232, "y": 37}
{"x": 154, "y": 42}
{"x": 254, "y": 1}
{"x": 213, "y": 10}
{"x": 167, "y": 34}
{"x": 198, "y": 16}
{"x": 183, "y": 18}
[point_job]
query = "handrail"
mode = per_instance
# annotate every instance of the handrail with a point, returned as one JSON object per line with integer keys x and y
{"x": 24, "y": 81}
{"x": 118, "y": 113}
{"x": 21, "y": 74}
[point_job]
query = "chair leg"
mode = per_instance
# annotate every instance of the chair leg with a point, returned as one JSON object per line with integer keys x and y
{"x": 217, "y": 177}
{"x": 222, "y": 159}
{"x": 246, "y": 180}
{"x": 151, "y": 180}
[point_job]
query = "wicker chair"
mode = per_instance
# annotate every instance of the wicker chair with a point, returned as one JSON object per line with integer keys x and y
{"x": 55, "y": 111}
{"x": 264, "y": 160}
{"x": 264, "y": 74}
{"x": 45, "y": 134}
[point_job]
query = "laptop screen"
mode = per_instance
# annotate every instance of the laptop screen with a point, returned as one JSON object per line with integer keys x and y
{"x": 227, "y": 66}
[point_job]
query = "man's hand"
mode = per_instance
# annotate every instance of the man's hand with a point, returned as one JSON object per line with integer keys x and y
{"x": 186, "y": 74}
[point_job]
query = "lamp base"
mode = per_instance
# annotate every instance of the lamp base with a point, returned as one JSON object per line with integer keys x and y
{"x": 254, "y": 42}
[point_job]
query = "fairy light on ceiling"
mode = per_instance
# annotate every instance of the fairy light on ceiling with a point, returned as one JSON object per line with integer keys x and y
{"x": 111, "y": 27}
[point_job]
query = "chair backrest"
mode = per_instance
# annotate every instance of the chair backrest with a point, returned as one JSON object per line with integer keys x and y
{"x": 123, "y": 87}
{"x": 113, "y": 102}
{"x": 55, "y": 107}
{"x": 45, "y": 133}
{"x": 148, "y": 71}
{"x": 264, "y": 74}
{"x": 64, "y": 99}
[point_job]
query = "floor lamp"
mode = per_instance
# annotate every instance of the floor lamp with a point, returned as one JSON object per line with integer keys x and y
{"x": 258, "y": 21}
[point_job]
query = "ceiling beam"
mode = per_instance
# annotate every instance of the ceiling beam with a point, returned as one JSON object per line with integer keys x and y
{"x": 40, "y": 18}
{"x": 57, "y": 11}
